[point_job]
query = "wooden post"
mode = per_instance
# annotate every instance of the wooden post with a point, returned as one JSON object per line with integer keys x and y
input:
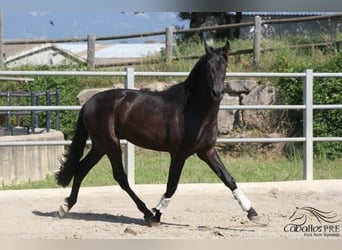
{"x": 1, "y": 44}
{"x": 257, "y": 40}
{"x": 91, "y": 52}
{"x": 168, "y": 43}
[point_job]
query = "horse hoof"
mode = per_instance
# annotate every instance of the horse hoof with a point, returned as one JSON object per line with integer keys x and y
{"x": 252, "y": 215}
{"x": 62, "y": 211}
{"x": 255, "y": 218}
{"x": 258, "y": 221}
{"x": 152, "y": 221}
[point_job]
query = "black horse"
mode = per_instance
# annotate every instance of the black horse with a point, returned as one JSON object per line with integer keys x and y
{"x": 181, "y": 120}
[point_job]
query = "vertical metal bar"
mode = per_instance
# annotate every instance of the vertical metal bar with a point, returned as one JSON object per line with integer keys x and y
{"x": 18, "y": 115}
{"x": 57, "y": 112}
{"x": 257, "y": 41}
{"x": 130, "y": 162}
{"x": 9, "y": 126}
{"x": 33, "y": 113}
{"x": 308, "y": 126}
{"x": 129, "y": 154}
{"x": 48, "y": 112}
{"x": 129, "y": 84}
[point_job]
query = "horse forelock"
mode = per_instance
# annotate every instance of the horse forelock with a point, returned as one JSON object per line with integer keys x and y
{"x": 202, "y": 64}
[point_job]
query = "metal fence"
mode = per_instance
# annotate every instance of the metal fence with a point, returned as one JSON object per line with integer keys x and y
{"x": 308, "y": 106}
{"x": 19, "y": 98}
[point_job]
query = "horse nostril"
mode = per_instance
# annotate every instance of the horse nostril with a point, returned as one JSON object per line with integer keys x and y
{"x": 217, "y": 94}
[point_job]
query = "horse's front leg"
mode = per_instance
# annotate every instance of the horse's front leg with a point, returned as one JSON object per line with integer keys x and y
{"x": 175, "y": 171}
{"x": 213, "y": 160}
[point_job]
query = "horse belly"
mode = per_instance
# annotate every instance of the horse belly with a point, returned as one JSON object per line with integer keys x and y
{"x": 150, "y": 136}
{"x": 148, "y": 129}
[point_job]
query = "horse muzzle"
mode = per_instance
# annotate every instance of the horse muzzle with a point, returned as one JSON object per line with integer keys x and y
{"x": 217, "y": 95}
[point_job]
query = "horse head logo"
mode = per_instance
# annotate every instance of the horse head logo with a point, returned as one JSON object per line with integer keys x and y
{"x": 304, "y": 214}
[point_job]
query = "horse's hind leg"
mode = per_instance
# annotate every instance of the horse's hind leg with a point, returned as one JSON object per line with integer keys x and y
{"x": 213, "y": 160}
{"x": 86, "y": 165}
{"x": 115, "y": 157}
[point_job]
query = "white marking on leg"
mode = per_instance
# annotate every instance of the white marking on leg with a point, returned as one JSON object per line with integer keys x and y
{"x": 244, "y": 202}
{"x": 163, "y": 203}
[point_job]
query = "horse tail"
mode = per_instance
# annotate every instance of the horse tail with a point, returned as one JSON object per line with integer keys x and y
{"x": 70, "y": 165}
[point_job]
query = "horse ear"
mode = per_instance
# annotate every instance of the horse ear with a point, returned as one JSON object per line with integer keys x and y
{"x": 226, "y": 48}
{"x": 208, "y": 49}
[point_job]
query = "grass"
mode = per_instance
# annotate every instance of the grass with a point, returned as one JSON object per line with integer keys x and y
{"x": 152, "y": 168}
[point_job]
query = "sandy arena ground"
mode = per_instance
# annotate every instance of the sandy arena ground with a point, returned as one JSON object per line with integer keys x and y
{"x": 197, "y": 211}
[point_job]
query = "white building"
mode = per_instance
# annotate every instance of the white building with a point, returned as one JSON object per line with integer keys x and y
{"x": 75, "y": 53}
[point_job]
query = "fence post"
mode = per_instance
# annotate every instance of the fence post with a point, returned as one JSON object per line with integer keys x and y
{"x": 91, "y": 52}
{"x": 129, "y": 149}
{"x": 1, "y": 44}
{"x": 257, "y": 41}
{"x": 168, "y": 43}
{"x": 308, "y": 126}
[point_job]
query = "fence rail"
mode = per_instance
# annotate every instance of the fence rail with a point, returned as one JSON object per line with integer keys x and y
{"x": 307, "y": 107}
{"x": 170, "y": 31}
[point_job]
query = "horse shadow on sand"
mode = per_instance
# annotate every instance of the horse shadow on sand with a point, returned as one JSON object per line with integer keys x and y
{"x": 102, "y": 217}
{"x": 122, "y": 219}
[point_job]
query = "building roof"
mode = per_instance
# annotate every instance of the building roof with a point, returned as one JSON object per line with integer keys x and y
{"x": 105, "y": 53}
{"x": 118, "y": 50}
{"x": 14, "y": 52}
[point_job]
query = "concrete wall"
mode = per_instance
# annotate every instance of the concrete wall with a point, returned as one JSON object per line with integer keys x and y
{"x": 23, "y": 163}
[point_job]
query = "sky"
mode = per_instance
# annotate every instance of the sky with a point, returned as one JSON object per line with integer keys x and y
{"x": 39, "y": 19}
{"x": 57, "y": 25}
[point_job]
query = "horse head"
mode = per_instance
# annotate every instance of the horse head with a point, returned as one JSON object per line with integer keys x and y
{"x": 216, "y": 64}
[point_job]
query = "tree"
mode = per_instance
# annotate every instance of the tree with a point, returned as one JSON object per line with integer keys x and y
{"x": 205, "y": 19}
